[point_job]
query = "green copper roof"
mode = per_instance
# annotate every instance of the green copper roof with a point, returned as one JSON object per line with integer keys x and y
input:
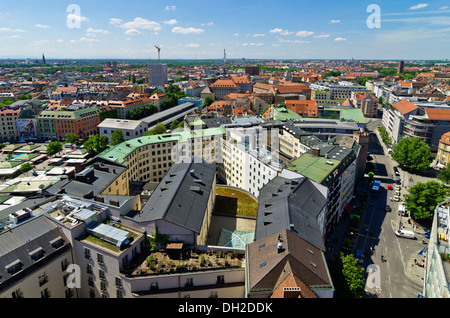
{"x": 120, "y": 152}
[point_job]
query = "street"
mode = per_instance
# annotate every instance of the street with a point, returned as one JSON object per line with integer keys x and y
{"x": 389, "y": 260}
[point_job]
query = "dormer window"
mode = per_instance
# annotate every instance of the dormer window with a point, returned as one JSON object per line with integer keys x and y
{"x": 37, "y": 254}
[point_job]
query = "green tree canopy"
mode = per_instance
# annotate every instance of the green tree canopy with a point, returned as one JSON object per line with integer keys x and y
{"x": 158, "y": 130}
{"x": 444, "y": 175}
{"x": 72, "y": 138}
{"x": 423, "y": 198}
{"x": 353, "y": 275}
{"x": 26, "y": 167}
{"x": 116, "y": 137}
{"x": 96, "y": 144}
{"x": 54, "y": 147}
{"x": 412, "y": 154}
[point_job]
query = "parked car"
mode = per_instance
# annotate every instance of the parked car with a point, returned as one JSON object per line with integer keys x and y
{"x": 397, "y": 192}
{"x": 387, "y": 208}
{"x": 396, "y": 198}
{"x": 398, "y": 180}
{"x": 405, "y": 234}
{"x": 389, "y": 187}
{"x": 397, "y": 187}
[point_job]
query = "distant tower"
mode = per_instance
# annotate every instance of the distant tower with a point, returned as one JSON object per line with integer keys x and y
{"x": 401, "y": 66}
{"x": 224, "y": 57}
{"x": 43, "y": 58}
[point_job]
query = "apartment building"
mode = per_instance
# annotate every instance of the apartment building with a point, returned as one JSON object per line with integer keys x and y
{"x": 129, "y": 128}
{"x": 443, "y": 153}
{"x": 8, "y": 128}
{"x": 34, "y": 259}
{"x": 57, "y": 124}
{"x": 333, "y": 167}
{"x": 222, "y": 87}
{"x": 148, "y": 158}
{"x": 124, "y": 107}
{"x": 342, "y": 92}
{"x": 437, "y": 272}
{"x": 428, "y": 127}
{"x": 305, "y": 108}
{"x": 367, "y": 102}
{"x": 393, "y": 119}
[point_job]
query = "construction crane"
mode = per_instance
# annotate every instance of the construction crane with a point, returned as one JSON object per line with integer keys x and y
{"x": 159, "y": 49}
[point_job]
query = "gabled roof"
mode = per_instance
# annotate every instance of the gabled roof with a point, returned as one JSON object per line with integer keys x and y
{"x": 405, "y": 106}
{"x": 294, "y": 262}
{"x": 438, "y": 113}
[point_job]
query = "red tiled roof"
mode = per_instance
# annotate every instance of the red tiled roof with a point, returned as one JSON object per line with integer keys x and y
{"x": 438, "y": 113}
{"x": 405, "y": 106}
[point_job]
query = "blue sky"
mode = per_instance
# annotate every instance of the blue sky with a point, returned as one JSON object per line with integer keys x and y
{"x": 281, "y": 29}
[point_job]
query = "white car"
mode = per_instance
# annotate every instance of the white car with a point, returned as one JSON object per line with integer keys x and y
{"x": 397, "y": 187}
{"x": 397, "y": 192}
{"x": 396, "y": 198}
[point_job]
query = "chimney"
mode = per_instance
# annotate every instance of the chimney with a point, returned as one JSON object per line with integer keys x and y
{"x": 315, "y": 152}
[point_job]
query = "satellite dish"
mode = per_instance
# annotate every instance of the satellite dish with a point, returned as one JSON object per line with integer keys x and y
{"x": 42, "y": 186}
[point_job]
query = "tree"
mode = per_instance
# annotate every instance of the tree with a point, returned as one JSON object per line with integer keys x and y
{"x": 72, "y": 138}
{"x": 209, "y": 100}
{"x": 353, "y": 275}
{"x": 54, "y": 147}
{"x": 116, "y": 137}
{"x": 96, "y": 144}
{"x": 24, "y": 168}
{"x": 444, "y": 175}
{"x": 413, "y": 154}
{"x": 423, "y": 198}
{"x": 158, "y": 130}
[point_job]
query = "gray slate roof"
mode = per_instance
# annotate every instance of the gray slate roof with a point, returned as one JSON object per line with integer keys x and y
{"x": 181, "y": 198}
{"x": 290, "y": 204}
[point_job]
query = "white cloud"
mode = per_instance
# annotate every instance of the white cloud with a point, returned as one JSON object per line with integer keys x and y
{"x": 132, "y": 32}
{"x": 115, "y": 21}
{"x": 335, "y": 21}
{"x": 98, "y": 31}
{"x": 252, "y": 44}
{"x": 42, "y": 26}
{"x": 208, "y": 24}
{"x": 236, "y": 34}
{"x": 140, "y": 23}
{"x": 192, "y": 45}
{"x": 322, "y": 36}
{"x": 170, "y": 22}
{"x": 304, "y": 33}
{"x": 419, "y": 6}
{"x": 60, "y": 40}
{"x": 171, "y": 8}
{"x": 187, "y": 30}
{"x": 89, "y": 40}
{"x": 292, "y": 41}
{"x": 443, "y": 8}
{"x": 73, "y": 41}
{"x": 258, "y": 35}
{"x": 11, "y": 30}
{"x": 14, "y": 36}
{"x": 280, "y": 31}
{"x": 340, "y": 39}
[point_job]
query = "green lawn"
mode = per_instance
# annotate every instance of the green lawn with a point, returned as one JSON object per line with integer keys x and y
{"x": 235, "y": 202}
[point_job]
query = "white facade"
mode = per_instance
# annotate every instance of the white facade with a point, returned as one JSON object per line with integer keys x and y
{"x": 130, "y": 128}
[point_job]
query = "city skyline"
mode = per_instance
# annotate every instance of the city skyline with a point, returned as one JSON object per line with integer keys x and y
{"x": 408, "y": 30}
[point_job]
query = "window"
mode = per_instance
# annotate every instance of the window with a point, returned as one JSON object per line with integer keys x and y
{"x": 119, "y": 293}
{"x": 64, "y": 264}
{"x": 17, "y": 294}
{"x": 100, "y": 258}
{"x": 189, "y": 282}
{"x": 42, "y": 279}
{"x": 45, "y": 293}
{"x": 89, "y": 268}
{"x": 91, "y": 293}
{"x": 118, "y": 282}
{"x": 154, "y": 286}
{"x": 90, "y": 281}
{"x": 69, "y": 293}
{"x": 87, "y": 253}
{"x": 101, "y": 274}
{"x": 37, "y": 254}
{"x": 220, "y": 279}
